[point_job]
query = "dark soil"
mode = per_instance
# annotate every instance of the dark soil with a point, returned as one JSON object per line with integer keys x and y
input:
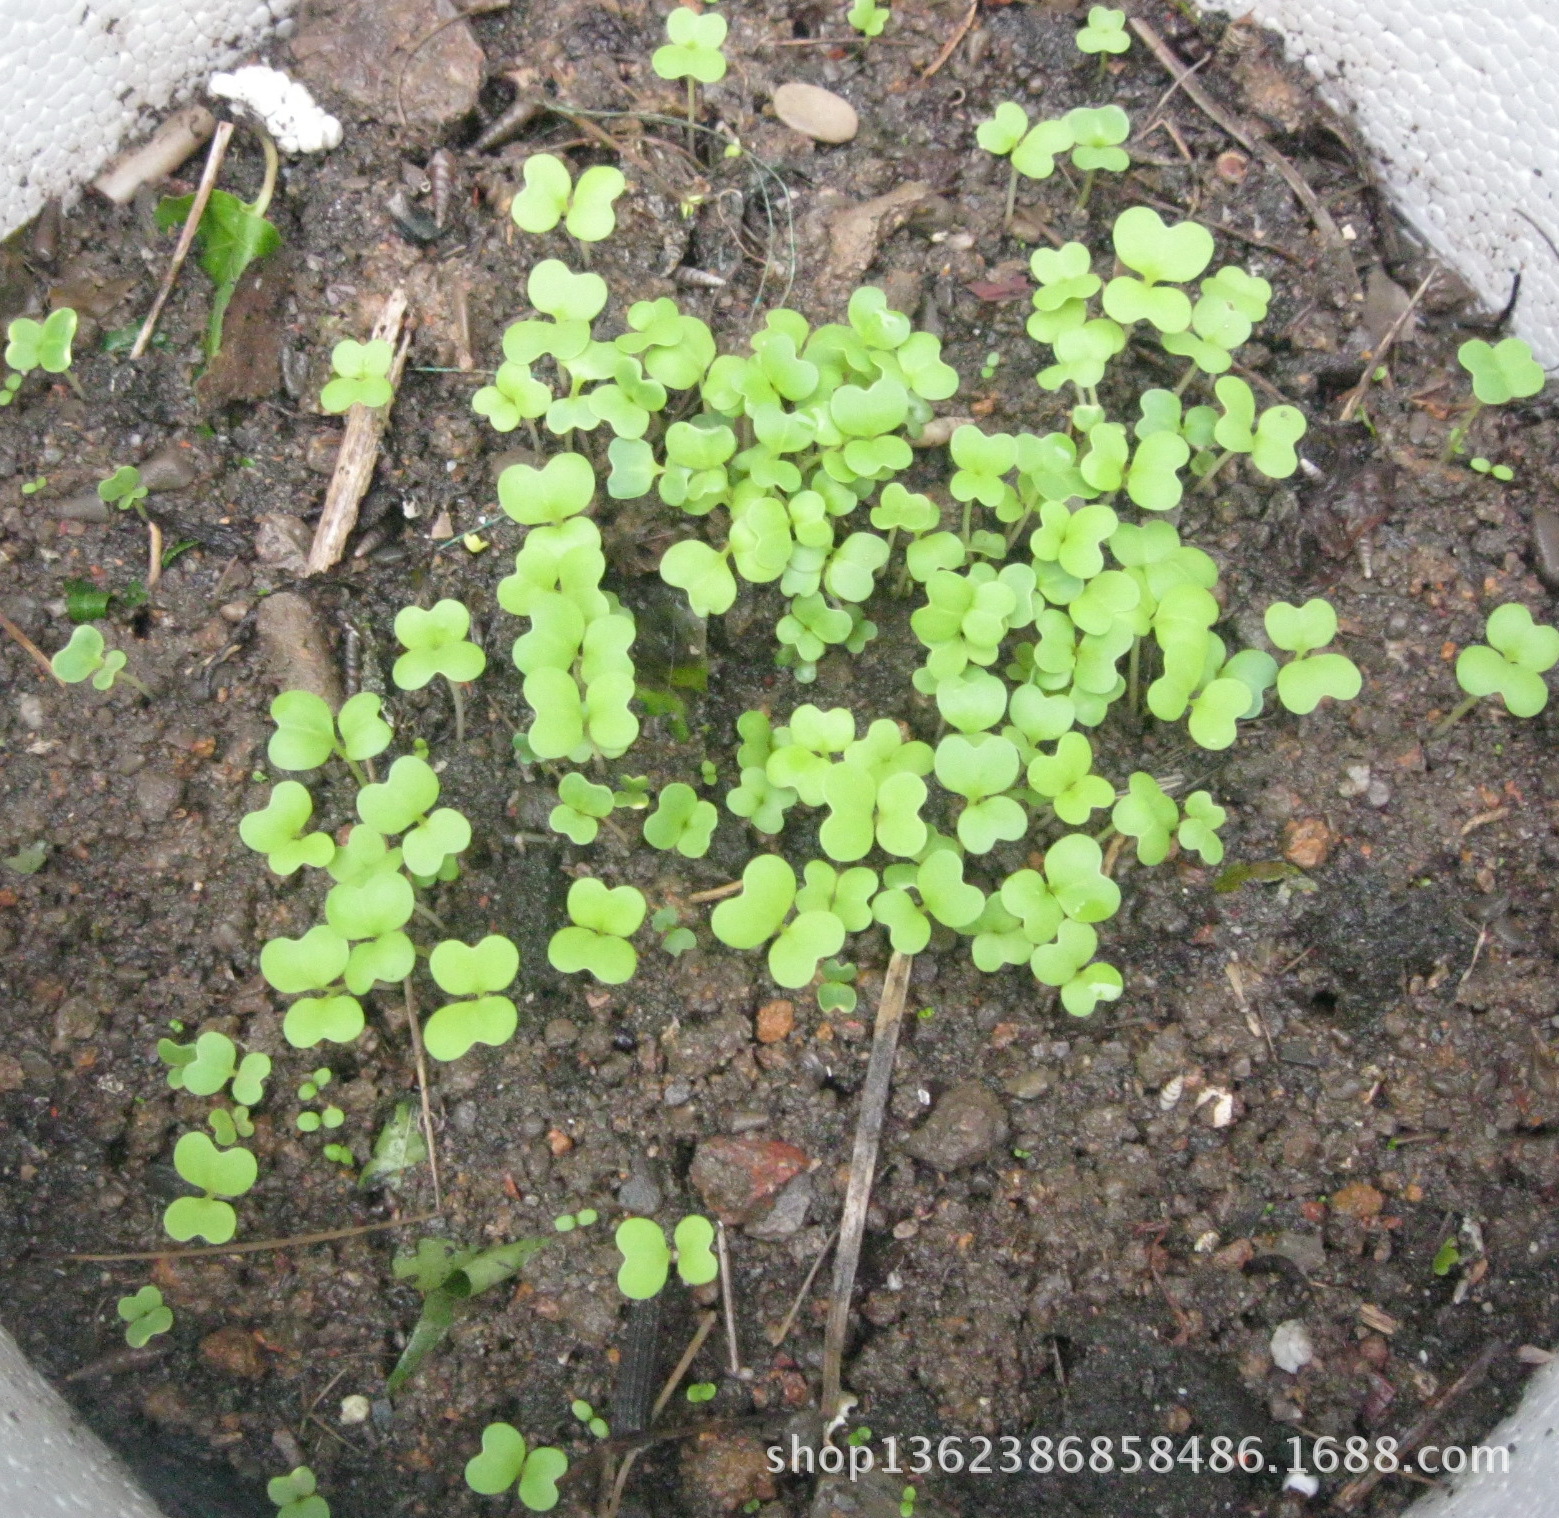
{"x": 1311, "y": 1083}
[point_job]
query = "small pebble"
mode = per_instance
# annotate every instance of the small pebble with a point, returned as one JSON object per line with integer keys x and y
{"x": 84, "y": 506}
{"x": 1291, "y": 1346}
{"x": 355, "y": 1409}
{"x": 816, "y": 112}
{"x": 1545, "y": 545}
{"x": 639, "y": 1194}
{"x": 559, "y": 1033}
{"x": 677, "y": 1092}
{"x": 30, "y": 710}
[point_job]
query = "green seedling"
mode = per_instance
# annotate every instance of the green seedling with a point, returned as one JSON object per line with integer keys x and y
{"x": 676, "y": 941}
{"x": 1447, "y": 1258}
{"x": 581, "y": 806}
{"x": 362, "y": 373}
{"x": 982, "y": 768}
{"x": 1501, "y": 472}
{"x": 647, "y": 1257}
{"x": 1105, "y": 32}
{"x": 553, "y": 494}
{"x": 1309, "y": 677}
{"x": 1164, "y": 256}
{"x": 400, "y": 1145}
{"x": 1199, "y": 830}
{"x": 1511, "y": 665}
{"x": 338, "y": 1154}
{"x": 1148, "y": 815}
{"x": 1098, "y": 132}
{"x": 37, "y": 345}
{"x": 307, "y": 734}
{"x": 758, "y": 914}
{"x": 507, "y": 1461}
{"x": 868, "y": 18}
{"x": 1269, "y": 441}
{"x": 403, "y": 802}
{"x": 1065, "y": 778}
{"x": 602, "y": 922}
{"x": 123, "y": 488}
{"x": 314, "y": 962}
{"x": 327, "y": 1117}
{"x": 681, "y": 821}
{"x": 550, "y": 196}
{"x": 692, "y": 53}
{"x": 587, "y": 1415}
{"x": 219, "y": 1173}
{"x": 277, "y": 831}
{"x": 86, "y": 656}
{"x": 514, "y": 396}
{"x": 1501, "y": 372}
{"x": 702, "y": 1391}
{"x": 436, "y": 644}
{"x": 569, "y": 1221}
{"x": 907, "y": 1496}
{"x": 1002, "y": 132}
{"x": 145, "y": 1316}
{"x": 836, "y": 993}
{"x": 296, "y": 1495}
{"x": 204, "y": 1067}
{"x": 477, "y": 972}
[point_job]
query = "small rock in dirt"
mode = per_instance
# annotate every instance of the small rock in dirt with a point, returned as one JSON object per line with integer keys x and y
{"x": 701, "y": 1048}
{"x": 639, "y": 1194}
{"x": 856, "y": 232}
{"x": 157, "y": 792}
{"x": 1359, "y": 1200}
{"x": 965, "y": 1126}
{"x": 748, "y": 1119}
{"x": 233, "y": 1351}
{"x": 76, "y": 1019}
{"x": 1545, "y": 545}
{"x": 464, "y": 1117}
{"x": 170, "y": 468}
{"x": 1028, "y": 1084}
{"x": 1164, "y": 1057}
{"x": 84, "y": 506}
{"x": 559, "y": 1033}
{"x": 1306, "y": 842}
{"x": 12, "y": 1076}
{"x": 788, "y": 1213}
{"x": 677, "y": 1093}
{"x": 727, "y": 1471}
{"x": 737, "y": 1175}
{"x": 30, "y": 710}
{"x": 775, "y": 1020}
{"x": 282, "y": 541}
{"x": 296, "y": 647}
{"x": 816, "y": 112}
{"x": 319, "y": 453}
{"x": 1291, "y": 1346}
{"x": 355, "y": 1409}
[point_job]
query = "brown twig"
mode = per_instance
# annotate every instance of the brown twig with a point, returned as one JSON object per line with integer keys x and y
{"x": 1356, "y": 395}
{"x": 40, "y": 658}
{"x": 197, "y": 209}
{"x": 1165, "y": 98}
{"x": 728, "y": 1299}
{"x": 422, "y": 1087}
{"x": 153, "y": 553}
{"x": 780, "y": 1334}
{"x": 1356, "y": 1491}
{"x": 359, "y": 451}
{"x": 863, "y": 1163}
{"x": 951, "y": 45}
{"x": 257, "y": 1246}
{"x": 715, "y": 893}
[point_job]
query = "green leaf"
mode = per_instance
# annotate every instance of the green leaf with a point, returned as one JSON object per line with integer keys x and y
{"x": 754, "y": 915}
{"x": 539, "y": 207}
{"x": 1502, "y": 371}
{"x": 399, "y": 1146}
{"x": 502, "y": 1459}
{"x": 230, "y": 235}
{"x": 646, "y": 1258}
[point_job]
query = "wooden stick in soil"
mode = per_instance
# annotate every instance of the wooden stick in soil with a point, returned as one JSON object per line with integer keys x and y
{"x": 422, "y": 1088}
{"x": 257, "y": 1246}
{"x": 1382, "y": 348}
{"x": 780, "y": 1334}
{"x": 726, "y": 1297}
{"x": 38, "y": 656}
{"x": 951, "y": 45}
{"x": 359, "y": 452}
{"x": 863, "y": 1163}
{"x": 208, "y": 182}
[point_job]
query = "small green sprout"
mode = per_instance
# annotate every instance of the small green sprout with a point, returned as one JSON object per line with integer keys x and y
{"x": 1066, "y": 779}
{"x": 314, "y": 962}
{"x": 581, "y": 806}
{"x": 703, "y": 1391}
{"x": 1199, "y": 830}
{"x": 37, "y": 345}
{"x": 1002, "y": 132}
{"x": 296, "y": 1496}
{"x": 1098, "y": 132}
{"x": 1162, "y": 255}
{"x": 219, "y": 1173}
{"x": 867, "y": 17}
{"x": 1501, "y": 372}
{"x": 550, "y": 192}
{"x": 507, "y": 1461}
{"x": 647, "y": 1257}
{"x": 907, "y": 1502}
{"x": 436, "y": 644}
{"x": 85, "y": 656}
{"x": 1105, "y": 32}
{"x": 836, "y": 993}
{"x": 587, "y": 1415}
{"x": 307, "y": 734}
{"x": 693, "y": 51}
{"x": 1148, "y": 815}
{"x": 1501, "y": 472}
{"x": 337, "y": 1154}
{"x": 327, "y": 1117}
{"x": 403, "y": 803}
{"x": 145, "y": 1316}
{"x": 1447, "y": 1258}
{"x": 1309, "y": 677}
{"x": 477, "y": 972}
{"x": 982, "y": 768}
{"x": 602, "y": 921}
{"x": 204, "y": 1067}
{"x": 569, "y": 1221}
{"x": 859, "y": 1436}
{"x": 1270, "y": 441}
{"x": 553, "y": 494}
{"x": 681, "y": 821}
{"x": 33, "y": 486}
{"x": 123, "y": 488}
{"x": 362, "y": 375}
{"x": 1512, "y": 664}
{"x": 277, "y": 831}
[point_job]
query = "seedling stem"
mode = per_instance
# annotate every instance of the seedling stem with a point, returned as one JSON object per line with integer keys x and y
{"x": 1454, "y": 716}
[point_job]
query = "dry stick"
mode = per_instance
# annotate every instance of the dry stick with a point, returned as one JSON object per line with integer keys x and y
{"x": 359, "y": 451}
{"x": 208, "y": 182}
{"x": 726, "y": 1298}
{"x": 422, "y": 1087}
{"x": 37, "y": 655}
{"x": 1246, "y": 136}
{"x": 1164, "y": 99}
{"x": 259, "y": 1246}
{"x": 1356, "y": 1491}
{"x": 780, "y": 1334}
{"x": 868, "y": 1131}
{"x": 961, "y": 31}
{"x": 154, "y": 554}
{"x": 1356, "y": 395}
{"x": 715, "y": 893}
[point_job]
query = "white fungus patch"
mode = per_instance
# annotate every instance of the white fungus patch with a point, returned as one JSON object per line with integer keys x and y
{"x": 285, "y": 106}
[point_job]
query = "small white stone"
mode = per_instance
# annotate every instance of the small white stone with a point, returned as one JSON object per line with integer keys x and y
{"x": 1291, "y": 1346}
{"x": 355, "y": 1409}
{"x": 1303, "y": 1482}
